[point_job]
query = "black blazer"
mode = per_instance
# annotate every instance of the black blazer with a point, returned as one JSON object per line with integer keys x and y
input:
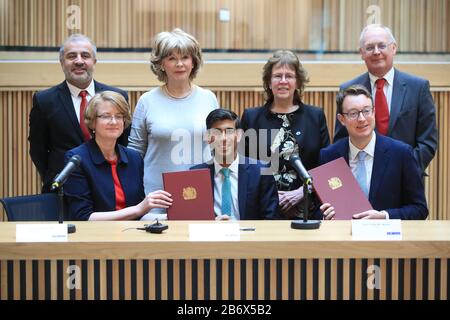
{"x": 412, "y": 117}
{"x": 54, "y": 129}
{"x": 257, "y": 193}
{"x": 309, "y": 126}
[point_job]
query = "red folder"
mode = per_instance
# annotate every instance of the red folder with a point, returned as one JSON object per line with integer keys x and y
{"x": 192, "y": 196}
{"x": 334, "y": 183}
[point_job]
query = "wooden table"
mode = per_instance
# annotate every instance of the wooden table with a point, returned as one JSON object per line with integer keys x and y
{"x": 102, "y": 260}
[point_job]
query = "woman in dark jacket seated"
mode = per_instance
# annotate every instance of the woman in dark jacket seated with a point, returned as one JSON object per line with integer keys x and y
{"x": 108, "y": 184}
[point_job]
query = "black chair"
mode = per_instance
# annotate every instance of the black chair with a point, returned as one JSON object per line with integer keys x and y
{"x": 39, "y": 207}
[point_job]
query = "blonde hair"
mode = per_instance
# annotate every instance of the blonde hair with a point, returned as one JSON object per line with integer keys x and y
{"x": 163, "y": 45}
{"x": 116, "y": 99}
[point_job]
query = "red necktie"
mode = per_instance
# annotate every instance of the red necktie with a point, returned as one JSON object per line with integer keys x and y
{"x": 381, "y": 108}
{"x": 83, "y": 106}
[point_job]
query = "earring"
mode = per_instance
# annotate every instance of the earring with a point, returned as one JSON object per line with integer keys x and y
{"x": 162, "y": 69}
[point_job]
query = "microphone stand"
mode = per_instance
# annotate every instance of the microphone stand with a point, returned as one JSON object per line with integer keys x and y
{"x": 70, "y": 227}
{"x": 306, "y": 224}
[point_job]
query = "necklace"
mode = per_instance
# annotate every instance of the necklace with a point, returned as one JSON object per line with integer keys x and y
{"x": 285, "y": 110}
{"x": 166, "y": 90}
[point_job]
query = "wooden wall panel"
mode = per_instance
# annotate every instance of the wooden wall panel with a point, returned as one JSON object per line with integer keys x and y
{"x": 326, "y": 25}
{"x": 18, "y": 175}
{"x": 222, "y": 75}
{"x": 326, "y": 279}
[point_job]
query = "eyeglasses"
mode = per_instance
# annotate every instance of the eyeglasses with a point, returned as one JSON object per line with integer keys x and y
{"x": 370, "y": 48}
{"x": 109, "y": 118}
{"x": 353, "y": 115}
{"x": 217, "y": 132}
{"x": 288, "y": 77}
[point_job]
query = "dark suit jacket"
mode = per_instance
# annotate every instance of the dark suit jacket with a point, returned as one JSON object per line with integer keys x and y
{"x": 308, "y": 124}
{"x": 90, "y": 188}
{"x": 54, "y": 129}
{"x": 412, "y": 117}
{"x": 257, "y": 194}
{"x": 396, "y": 185}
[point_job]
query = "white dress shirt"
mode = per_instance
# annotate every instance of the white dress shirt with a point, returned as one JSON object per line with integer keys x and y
{"x": 353, "y": 161}
{"x": 75, "y": 95}
{"x": 353, "y": 158}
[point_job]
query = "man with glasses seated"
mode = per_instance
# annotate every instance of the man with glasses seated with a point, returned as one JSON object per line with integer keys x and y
{"x": 404, "y": 106}
{"x": 242, "y": 189}
{"x": 385, "y": 169}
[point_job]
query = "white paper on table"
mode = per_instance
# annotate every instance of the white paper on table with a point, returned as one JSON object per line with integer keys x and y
{"x": 377, "y": 229}
{"x": 214, "y": 232}
{"x": 41, "y": 232}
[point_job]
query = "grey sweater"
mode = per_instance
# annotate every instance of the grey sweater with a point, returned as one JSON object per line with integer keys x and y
{"x": 169, "y": 132}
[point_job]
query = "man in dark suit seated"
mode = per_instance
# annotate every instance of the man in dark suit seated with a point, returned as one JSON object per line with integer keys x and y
{"x": 385, "y": 168}
{"x": 404, "y": 106}
{"x": 56, "y": 118}
{"x": 243, "y": 190}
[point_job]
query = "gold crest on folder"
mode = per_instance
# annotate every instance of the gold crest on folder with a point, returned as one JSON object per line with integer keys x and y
{"x": 189, "y": 193}
{"x": 335, "y": 183}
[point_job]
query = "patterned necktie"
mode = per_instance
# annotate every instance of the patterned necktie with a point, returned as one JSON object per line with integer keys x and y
{"x": 381, "y": 108}
{"x": 226, "y": 192}
{"x": 361, "y": 175}
{"x": 83, "y": 106}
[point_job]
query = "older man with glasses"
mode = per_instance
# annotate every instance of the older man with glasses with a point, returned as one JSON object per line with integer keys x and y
{"x": 403, "y": 103}
{"x": 385, "y": 169}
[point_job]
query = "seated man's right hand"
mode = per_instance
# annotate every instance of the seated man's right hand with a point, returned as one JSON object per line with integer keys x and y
{"x": 327, "y": 211}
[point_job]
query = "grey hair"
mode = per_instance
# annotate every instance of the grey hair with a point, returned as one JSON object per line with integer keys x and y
{"x": 163, "y": 45}
{"x": 372, "y": 26}
{"x": 74, "y": 38}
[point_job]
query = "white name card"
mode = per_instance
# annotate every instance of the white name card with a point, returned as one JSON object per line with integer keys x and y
{"x": 56, "y": 232}
{"x": 377, "y": 229}
{"x": 214, "y": 232}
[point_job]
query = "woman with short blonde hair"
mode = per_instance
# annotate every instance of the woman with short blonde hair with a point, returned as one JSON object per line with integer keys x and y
{"x": 166, "y": 42}
{"x": 116, "y": 99}
{"x": 169, "y": 121}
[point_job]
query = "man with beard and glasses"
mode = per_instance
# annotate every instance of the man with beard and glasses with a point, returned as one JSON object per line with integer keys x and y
{"x": 57, "y": 116}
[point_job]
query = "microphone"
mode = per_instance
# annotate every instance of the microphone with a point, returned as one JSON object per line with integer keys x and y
{"x": 304, "y": 224}
{"x": 296, "y": 162}
{"x": 61, "y": 178}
